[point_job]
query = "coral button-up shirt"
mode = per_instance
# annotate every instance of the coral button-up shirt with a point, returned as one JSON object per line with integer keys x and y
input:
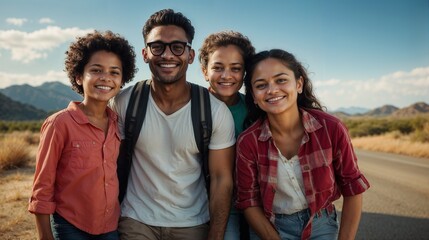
{"x": 76, "y": 171}
{"x": 327, "y": 159}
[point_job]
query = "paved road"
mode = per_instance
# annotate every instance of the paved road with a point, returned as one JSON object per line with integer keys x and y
{"x": 397, "y": 204}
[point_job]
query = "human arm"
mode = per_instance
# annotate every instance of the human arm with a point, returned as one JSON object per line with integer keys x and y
{"x": 221, "y": 185}
{"x": 44, "y": 226}
{"x": 42, "y": 197}
{"x": 259, "y": 223}
{"x": 350, "y": 217}
{"x": 351, "y": 181}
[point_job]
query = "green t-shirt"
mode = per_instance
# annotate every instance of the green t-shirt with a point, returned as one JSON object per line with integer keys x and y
{"x": 239, "y": 112}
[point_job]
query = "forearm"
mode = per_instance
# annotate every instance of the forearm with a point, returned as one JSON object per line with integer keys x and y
{"x": 260, "y": 224}
{"x": 350, "y": 217}
{"x": 43, "y": 225}
{"x": 220, "y": 206}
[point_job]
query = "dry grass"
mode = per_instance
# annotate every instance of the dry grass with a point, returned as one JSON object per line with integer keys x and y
{"x": 15, "y": 185}
{"x": 15, "y": 149}
{"x": 393, "y": 143}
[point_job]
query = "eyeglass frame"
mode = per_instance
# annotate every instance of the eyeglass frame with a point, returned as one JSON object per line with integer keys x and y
{"x": 185, "y": 44}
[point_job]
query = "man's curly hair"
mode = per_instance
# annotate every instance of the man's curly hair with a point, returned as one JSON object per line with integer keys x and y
{"x": 223, "y": 39}
{"x": 80, "y": 51}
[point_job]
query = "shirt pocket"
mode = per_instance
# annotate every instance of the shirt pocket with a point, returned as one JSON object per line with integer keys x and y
{"x": 320, "y": 166}
{"x": 85, "y": 154}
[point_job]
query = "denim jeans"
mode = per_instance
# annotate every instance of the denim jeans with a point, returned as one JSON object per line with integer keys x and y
{"x": 324, "y": 225}
{"x": 237, "y": 227}
{"x": 62, "y": 229}
{"x": 233, "y": 226}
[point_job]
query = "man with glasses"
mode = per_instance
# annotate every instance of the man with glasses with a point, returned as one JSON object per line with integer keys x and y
{"x": 166, "y": 196}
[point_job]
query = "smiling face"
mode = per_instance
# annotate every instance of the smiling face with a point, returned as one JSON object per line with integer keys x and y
{"x": 275, "y": 88}
{"x": 168, "y": 68}
{"x": 224, "y": 72}
{"x": 102, "y": 77}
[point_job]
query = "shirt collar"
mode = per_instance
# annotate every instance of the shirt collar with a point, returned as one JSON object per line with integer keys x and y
{"x": 311, "y": 124}
{"x": 81, "y": 118}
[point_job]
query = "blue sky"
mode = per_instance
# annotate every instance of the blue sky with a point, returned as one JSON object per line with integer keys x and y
{"x": 359, "y": 53}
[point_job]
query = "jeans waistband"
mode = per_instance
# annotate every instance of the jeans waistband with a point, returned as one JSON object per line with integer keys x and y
{"x": 299, "y": 213}
{"x": 328, "y": 210}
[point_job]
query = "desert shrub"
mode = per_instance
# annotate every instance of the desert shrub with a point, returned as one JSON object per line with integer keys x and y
{"x": 12, "y": 126}
{"x": 413, "y": 126}
{"x": 419, "y": 123}
{"x": 404, "y": 126}
{"x": 369, "y": 128}
{"x": 421, "y": 135}
{"x": 14, "y": 152}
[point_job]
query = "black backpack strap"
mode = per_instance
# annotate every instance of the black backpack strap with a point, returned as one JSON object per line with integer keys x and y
{"x": 202, "y": 124}
{"x": 135, "y": 114}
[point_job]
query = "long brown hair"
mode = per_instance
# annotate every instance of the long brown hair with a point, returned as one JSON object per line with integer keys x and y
{"x": 306, "y": 99}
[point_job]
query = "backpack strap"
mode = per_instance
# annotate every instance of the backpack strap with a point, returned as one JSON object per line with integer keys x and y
{"x": 202, "y": 124}
{"x": 135, "y": 114}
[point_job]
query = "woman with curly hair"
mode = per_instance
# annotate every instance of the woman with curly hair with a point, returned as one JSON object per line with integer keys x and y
{"x": 294, "y": 160}
{"x": 75, "y": 189}
{"x": 223, "y": 57}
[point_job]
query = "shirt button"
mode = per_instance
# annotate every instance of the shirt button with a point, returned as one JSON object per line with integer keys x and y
{"x": 104, "y": 161}
{"x": 107, "y": 184}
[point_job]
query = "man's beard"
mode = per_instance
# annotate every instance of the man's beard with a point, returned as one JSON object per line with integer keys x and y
{"x": 167, "y": 80}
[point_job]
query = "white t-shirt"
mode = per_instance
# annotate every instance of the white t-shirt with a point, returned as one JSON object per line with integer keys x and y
{"x": 165, "y": 186}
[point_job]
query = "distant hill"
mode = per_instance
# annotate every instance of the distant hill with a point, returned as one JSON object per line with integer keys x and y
{"x": 341, "y": 115}
{"x": 388, "y": 110}
{"x": 352, "y": 110}
{"x": 50, "y": 96}
{"x": 414, "y": 109}
{"x": 11, "y": 110}
{"x": 382, "y": 111}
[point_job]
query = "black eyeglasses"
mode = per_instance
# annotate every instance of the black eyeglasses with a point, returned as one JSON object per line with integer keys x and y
{"x": 177, "y": 48}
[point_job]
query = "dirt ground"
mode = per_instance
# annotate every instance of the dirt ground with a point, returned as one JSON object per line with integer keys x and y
{"x": 16, "y": 221}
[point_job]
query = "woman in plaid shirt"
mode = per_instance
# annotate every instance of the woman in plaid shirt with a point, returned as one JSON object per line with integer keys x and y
{"x": 295, "y": 159}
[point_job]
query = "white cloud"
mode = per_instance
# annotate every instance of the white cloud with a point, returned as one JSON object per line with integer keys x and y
{"x": 28, "y": 46}
{"x": 16, "y": 21}
{"x": 46, "y": 21}
{"x": 399, "y": 89}
{"x": 7, "y": 79}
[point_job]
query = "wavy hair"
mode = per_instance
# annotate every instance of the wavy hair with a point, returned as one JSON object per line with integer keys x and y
{"x": 306, "y": 99}
{"x": 223, "y": 39}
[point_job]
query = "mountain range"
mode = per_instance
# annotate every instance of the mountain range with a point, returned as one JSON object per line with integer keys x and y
{"x": 49, "y": 96}
{"x": 25, "y": 102}
{"x": 390, "y": 110}
{"x": 11, "y": 110}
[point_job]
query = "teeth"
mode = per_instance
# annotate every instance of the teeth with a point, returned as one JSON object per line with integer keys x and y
{"x": 274, "y": 99}
{"x": 168, "y": 65}
{"x": 226, "y": 84}
{"x": 103, "y": 87}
